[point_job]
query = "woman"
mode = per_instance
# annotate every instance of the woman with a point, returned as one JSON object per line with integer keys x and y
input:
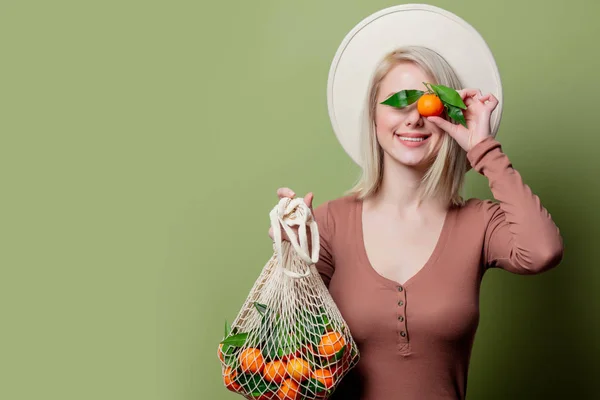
{"x": 403, "y": 254}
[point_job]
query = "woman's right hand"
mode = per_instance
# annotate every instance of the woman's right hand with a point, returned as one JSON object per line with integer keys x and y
{"x": 287, "y": 192}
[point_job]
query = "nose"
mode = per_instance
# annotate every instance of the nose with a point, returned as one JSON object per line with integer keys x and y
{"x": 414, "y": 118}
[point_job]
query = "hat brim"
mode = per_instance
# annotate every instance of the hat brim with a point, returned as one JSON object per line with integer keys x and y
{"x": 384, "y": 31}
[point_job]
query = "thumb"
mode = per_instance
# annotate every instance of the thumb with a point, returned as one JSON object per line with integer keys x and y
{"x": 308, "y": 199}
{"x": 443, "y": 124}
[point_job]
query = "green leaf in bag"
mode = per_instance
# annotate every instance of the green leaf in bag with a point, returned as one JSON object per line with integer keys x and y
{"x": 312, "y": 327}
{"x": 254, "y": 340}
{"x": 289, "y": 346}
{"x": 323, "y": 320}
{"x": 311, "y": 387}
{"x": 456, "y": 114}
{"x": 227, "y": 329}
{"x": 255, "y": 384}
{"x": 448, "y": 96}
{"x": 338, "y": 356}
{"x": 278, "y": 340}
{"x": 403, "y": 98}
{"x": 228, "y": 348}
{"x": 262, "y": 309}
{"x": 236, "y": 340}
{"x": 271, "y": 345}
{"x": 268, "y": 324}
{"x": 268, "y": 333}
{"x": 231, "y": 360}
{"x": 249, "y": 382}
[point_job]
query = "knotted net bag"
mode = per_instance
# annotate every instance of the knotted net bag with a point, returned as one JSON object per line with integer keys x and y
{"x": 289, "y": 340}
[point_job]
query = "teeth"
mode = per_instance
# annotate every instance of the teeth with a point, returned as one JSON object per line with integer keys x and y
{"x": 411, "y": 139}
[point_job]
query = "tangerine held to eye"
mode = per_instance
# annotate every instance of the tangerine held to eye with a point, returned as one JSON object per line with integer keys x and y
{"x": 429, "y": 105}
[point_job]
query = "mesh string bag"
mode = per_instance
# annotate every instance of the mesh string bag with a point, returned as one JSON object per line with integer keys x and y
{"x": 289, "y": 340}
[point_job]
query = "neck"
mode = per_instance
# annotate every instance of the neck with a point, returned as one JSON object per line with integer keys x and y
{"x": 399, "y": 190}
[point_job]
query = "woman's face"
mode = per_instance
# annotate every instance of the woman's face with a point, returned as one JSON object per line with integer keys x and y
{"x": 395, "y": 125}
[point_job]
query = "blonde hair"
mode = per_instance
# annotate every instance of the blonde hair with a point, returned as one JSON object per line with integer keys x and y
{"x": 445, "y": 176}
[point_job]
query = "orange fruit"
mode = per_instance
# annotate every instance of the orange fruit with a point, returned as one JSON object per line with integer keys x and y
{"x": 220, "y": 352}
{"x": 275, "y": 371}
{"x": 251, "y": 360}
{"x": 331, "y": 343}
{"x": 298, "y": 369}
{"x": 430, "y": 105}
{"x": 289, "y": 390}
{"x": 229, "y": 380}
{"x": 325, "y": 376}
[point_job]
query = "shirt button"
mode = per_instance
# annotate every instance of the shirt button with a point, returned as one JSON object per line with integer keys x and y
{"x": 401, "y": 318}
{"x": 403, "y": 334}
{"x": 400, "y": 303}
{"x": 400, "y": 288}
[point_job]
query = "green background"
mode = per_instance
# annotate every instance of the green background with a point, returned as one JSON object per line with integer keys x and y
{"x": 142, "y": 144}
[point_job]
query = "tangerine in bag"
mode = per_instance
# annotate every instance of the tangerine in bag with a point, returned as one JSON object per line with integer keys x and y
{"x": 289, "y": 340}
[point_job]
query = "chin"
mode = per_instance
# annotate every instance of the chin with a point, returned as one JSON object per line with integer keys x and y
{"x": 413, "y": 160}
{"x": 413, "y": 164}
{"x": 416, "y": 158}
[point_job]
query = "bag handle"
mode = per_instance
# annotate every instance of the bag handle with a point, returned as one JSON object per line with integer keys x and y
{"x": 291, "y": 212}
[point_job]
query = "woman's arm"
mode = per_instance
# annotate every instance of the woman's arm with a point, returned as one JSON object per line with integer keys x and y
{"x": 326, "y": 263}
{"x": 520, "y": 235}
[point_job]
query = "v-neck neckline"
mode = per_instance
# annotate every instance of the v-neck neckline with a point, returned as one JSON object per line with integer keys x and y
{"x": 437, "y": 250}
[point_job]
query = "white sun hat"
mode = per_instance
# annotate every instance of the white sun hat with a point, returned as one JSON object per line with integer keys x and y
{"x": 384, "y": 31}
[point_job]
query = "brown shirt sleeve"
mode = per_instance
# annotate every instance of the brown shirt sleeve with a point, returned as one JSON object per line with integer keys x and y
{"x": 520, "y": 235}
{"x": 326, "y": 263}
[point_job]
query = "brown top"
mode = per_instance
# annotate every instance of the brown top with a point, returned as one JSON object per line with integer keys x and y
{"x": 415, "y": 339}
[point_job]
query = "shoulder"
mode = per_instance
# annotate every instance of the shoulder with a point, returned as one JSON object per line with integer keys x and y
{"x": 477, "y": 205}
{"x": 335, "y": 211}
{"x": 482, "y": 209}
{"x": 339, "y": 206}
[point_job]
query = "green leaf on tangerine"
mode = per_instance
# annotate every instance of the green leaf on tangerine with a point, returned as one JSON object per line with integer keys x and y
{"x": 403, "y": 98}
{"x": 449, "y": 96}
{"x": 456, "y": 114}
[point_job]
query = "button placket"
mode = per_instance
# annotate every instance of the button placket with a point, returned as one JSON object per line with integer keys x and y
{"x": 401, "y": 313}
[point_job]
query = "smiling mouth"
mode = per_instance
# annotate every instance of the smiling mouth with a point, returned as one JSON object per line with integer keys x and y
{"x": 413, "y": 138}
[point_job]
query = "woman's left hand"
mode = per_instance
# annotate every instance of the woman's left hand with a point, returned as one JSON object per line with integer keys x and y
{"x": 477, "y": 116}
